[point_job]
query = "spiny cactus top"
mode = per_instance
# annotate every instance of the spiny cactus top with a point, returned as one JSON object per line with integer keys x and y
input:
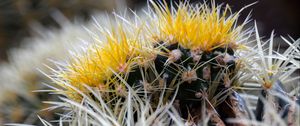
{"x": 197, "y": 27}
{"x": 186, "y": 57}
{"x": 116, "y": 54}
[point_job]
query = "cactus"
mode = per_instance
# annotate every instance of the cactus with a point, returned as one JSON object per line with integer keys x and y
{"x": 179, "y": 65}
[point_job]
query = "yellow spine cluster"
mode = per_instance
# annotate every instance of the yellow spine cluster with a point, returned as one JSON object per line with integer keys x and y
{"x": 197, "y": 27}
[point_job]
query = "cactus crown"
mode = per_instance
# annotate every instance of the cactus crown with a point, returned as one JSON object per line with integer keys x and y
{"x": 197, "y": 27}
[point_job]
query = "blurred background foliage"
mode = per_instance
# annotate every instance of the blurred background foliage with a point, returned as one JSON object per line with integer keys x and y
{"x": 18, "y": 16}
